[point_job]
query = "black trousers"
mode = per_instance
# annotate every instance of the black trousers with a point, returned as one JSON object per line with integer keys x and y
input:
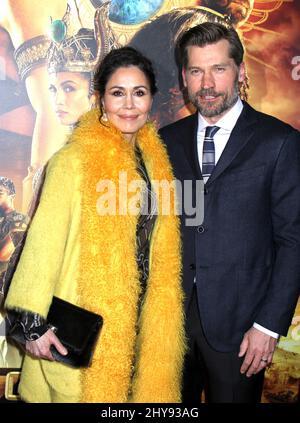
{"x": 217, "y": 373}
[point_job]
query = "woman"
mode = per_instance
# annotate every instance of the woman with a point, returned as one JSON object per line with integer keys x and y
{"x": 120, "y": 264}
{"x": 70, "y": 67}
{"x": 71, "y": 95}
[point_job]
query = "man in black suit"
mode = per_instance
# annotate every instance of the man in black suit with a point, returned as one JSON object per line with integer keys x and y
{"x": 241, "y": 265}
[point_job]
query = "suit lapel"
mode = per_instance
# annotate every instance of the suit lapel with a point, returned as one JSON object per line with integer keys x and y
{"x": 241, "y": 134}
{"x": 190, "y": 145}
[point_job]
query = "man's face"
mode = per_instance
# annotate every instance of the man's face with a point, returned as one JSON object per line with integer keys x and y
{"x": 212, "y": 79}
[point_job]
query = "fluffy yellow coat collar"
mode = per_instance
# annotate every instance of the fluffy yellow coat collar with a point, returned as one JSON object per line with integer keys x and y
{"x": 109, "y": 281}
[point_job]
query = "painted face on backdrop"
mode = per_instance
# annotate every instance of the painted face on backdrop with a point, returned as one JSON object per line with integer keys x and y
{"x": 212, "y": 79}
{"x": 70, "y": 95}
{"x": 5, "y": 199}
{"x": 127, "y": 100}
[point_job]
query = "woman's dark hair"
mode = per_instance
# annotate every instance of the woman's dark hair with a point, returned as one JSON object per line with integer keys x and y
{"x": 89, "y": 77}
{"x": 210, "y": 33}
{"x": 122, "y": 58}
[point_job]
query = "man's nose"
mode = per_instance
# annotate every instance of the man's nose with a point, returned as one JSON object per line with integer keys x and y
{"x": 207, "y": 80}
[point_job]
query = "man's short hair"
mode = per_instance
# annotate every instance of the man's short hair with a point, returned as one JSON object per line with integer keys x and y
{"x": 8, "y": 185}
{"x": 210, "y": 33}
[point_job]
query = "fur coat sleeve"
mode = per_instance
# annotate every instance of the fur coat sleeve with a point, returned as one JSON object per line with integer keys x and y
{"x": 34, "y": 281}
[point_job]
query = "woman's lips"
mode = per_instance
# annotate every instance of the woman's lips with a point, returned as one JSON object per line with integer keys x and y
{"x": 128, "y": 117}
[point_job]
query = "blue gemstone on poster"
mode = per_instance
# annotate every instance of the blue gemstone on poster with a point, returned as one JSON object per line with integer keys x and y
{"x": 58, "y": 31}
{"x": 130, "y": 12}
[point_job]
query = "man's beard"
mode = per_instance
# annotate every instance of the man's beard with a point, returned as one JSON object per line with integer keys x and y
{"x": 228, "y": 100}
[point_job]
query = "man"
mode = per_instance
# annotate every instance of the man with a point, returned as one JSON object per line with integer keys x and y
{"x": 12, "y": 224}
{"x": 12, "y": 228}
{"x": 241, "y": 266}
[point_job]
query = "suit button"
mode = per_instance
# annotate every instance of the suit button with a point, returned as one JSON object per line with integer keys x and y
{"x": 200, "y": 229}
{"x": 205, "y": 191}
{"x": 192, "y": 266}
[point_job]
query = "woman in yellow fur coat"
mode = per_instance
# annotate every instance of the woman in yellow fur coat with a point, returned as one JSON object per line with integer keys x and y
{"x": 121, "y": 264}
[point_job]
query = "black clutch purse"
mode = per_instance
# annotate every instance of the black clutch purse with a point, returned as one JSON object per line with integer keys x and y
{"x": 77, "y": 329}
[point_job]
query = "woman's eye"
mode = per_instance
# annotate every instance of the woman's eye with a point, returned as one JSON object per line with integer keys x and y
{"x": 140, "y": 93}
{"x": 52, "y": 89}
{"x": 117, "y": 93}
{"x": 68, "y": 89}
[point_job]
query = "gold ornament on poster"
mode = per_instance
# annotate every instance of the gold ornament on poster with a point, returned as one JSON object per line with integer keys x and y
{"x": 124, "y": 33}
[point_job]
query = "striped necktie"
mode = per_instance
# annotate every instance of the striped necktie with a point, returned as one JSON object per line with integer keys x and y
{"x": 208, "y": 157}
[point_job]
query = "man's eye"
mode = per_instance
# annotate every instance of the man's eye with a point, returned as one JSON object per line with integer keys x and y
{"x": 195, "y": 71}
{"x": 220, "y": 69}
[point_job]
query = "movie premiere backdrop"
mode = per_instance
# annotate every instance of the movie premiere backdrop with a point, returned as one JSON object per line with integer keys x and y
{"x": 47, "y": 53}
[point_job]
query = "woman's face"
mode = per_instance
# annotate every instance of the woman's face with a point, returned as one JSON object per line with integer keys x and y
{"x": 70, "y": 95}
{"x": 127, "y": 100}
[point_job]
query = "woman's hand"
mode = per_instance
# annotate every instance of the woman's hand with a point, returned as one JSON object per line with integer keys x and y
{"x": 41, "y": 347}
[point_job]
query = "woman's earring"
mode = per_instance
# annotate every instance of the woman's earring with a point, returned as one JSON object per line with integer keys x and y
{"x": 104, "y": 117}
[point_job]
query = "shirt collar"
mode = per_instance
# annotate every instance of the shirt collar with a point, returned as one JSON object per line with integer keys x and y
{"x": 227, "y": 122}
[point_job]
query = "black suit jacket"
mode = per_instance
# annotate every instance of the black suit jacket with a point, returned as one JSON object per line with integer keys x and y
{"x": 246, "y": 253}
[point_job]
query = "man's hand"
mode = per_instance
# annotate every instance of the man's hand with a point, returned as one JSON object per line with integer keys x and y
{"x": 259, "y": 349}
{"x": 41, "y": 347}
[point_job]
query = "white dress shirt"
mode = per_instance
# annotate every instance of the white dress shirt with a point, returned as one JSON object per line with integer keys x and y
{"x": 226, "y": 125}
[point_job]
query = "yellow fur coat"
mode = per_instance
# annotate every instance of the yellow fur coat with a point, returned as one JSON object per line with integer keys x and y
{"x": 89, "y": 259}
